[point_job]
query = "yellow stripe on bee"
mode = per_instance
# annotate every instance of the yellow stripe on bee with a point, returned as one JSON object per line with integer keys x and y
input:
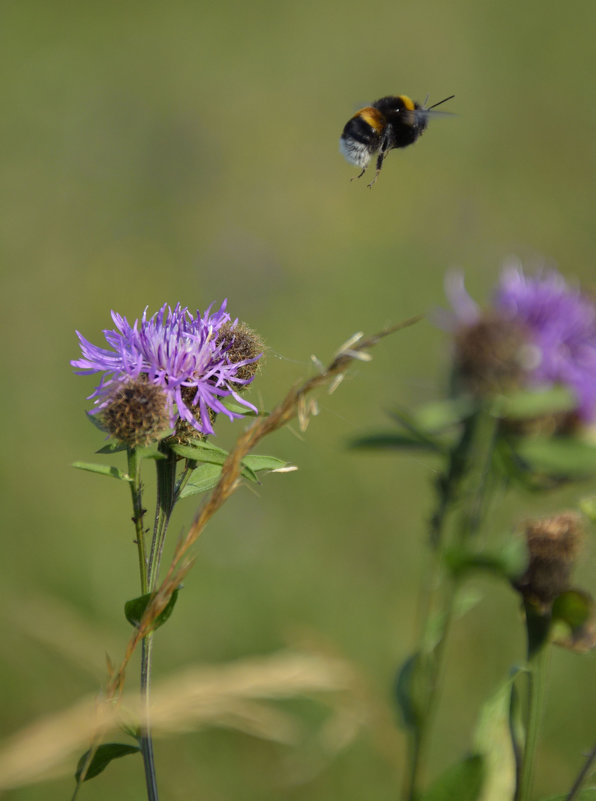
{"x": 373, "y": 117}
{"x": 408, "y": 102}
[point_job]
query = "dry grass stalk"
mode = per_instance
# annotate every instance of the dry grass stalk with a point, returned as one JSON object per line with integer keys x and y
{"x": 294, "y": 404}
{"x": 232, "y": 696}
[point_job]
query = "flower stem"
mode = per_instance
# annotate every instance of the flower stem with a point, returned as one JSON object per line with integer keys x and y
{"x": 582, "y": 775}
{"x": 137, "y": 513}
{"x": 145, "y": 740}
{"x": 538, "y": 627}
{"x": 433, "y": 651}
{"x": 466, "y": 482}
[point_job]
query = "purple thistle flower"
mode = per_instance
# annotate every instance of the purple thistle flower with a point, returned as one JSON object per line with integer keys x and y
{"x": 559, "y": 323}
{"x": 176, "y": 351}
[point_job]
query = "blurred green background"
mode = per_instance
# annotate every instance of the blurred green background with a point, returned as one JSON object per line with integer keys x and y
{"x": 188, "y": 151}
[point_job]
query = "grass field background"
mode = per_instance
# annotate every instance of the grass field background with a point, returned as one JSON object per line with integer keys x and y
{"x": 188, "y": 151}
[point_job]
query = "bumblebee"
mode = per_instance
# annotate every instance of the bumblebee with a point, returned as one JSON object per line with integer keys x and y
{"x": 391, "y": 122}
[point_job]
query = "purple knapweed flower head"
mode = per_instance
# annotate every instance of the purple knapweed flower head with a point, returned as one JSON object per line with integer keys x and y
{"x": 541, "y": 331}
{"x": 180, "y": 352}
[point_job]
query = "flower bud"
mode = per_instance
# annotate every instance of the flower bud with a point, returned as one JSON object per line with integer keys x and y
{"x": 491, "y": 355}
{"x": 242, "y": 346}
{"x": 553, "y": 544}
{"x": 136, "y": 413}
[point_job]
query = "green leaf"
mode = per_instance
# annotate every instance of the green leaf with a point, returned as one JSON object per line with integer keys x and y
{"x": 508, "y": 562}
{"x": 96, "y": 422}
{"x": 239, "y": 408}
{"x": 439, "y": 415}
{"x": 588, "y": 507}
{"x": 494, "y": 741}
{"x": 462, "y": 781}
{"x": 588, "y": 794}
{"x": 258, "y": 463}
{"x": 151, "y": 452}
{"x": 102, "y": 757}
{"x": 574, "y": 608}
{"x": 103, "y": 470}
{"x": 135, "y": 609}
{"x": 390, "y": 441}
{"x": 526, "y": 405}
{"x": 206, "y": 475}
{"x": 202, "y": 479}
{"x": 565, "y": 456}
{"x": 412, "y": 690}
{"x": 201, "y": 451}
{"x": 112, "y": 447}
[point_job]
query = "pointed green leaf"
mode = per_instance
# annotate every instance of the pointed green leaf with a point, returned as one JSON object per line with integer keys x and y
{"x": 257, "y": 463}
{"x": 112, "y": 447}
{"x": 573, "y": 607}
{"x": 202, "y": 479}
{"x": 201, "y": 451}
{"x": 439, "y": 415}
{"x": 588, "y": 507}
{"x": 102, "y": 757}
{"x": 96, "y": 422}
{"x": 103, "y": 470}
{"x": 412, "y": 690}
{"x": 493, "y": 739}
{"x": 508, "y": 562}
{"x": 135, "y": 609}
{"x": 526, "y": 405}
{"x": 151, "y": 452}
{"x": 565, "y": 456}
{"x": 462, "y": 781}
{"x": 588, "y": 794}
{"x": 389, "y": 441}
{"x": 239, "y": 408}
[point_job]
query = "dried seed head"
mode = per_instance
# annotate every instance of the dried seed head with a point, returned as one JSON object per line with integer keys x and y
{"x": 553, "y": 544}
{"x": 185, "y": 433}
{"x": 243, "y": 347}
{"x": 136, "y": 413}
{"x": 491, "y": 355}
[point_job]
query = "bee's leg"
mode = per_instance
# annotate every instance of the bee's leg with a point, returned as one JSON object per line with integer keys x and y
{"x": 360, "y": 174}
{"x": 380, "y": 158}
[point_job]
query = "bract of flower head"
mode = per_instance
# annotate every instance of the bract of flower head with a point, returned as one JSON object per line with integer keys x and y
{"x": 557, "y": 322}
{"x": 177, "y": 351}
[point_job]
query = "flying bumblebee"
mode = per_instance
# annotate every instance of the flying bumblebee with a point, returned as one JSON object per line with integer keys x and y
{"x": 391, "y": 122}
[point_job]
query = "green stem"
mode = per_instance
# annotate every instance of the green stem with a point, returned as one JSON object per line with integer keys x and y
{"x": 167, "y": 494}
{"x": 137, "y": 513}
{"x": 538, "y": 626}
{"x": 467, "y": 481}
{"x": 433, "y": 654}
{"x": 145, "y": 739}
{"x": 582, "y": 776}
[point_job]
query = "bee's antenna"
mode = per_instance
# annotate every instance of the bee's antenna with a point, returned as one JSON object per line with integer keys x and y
{"x": 434, "y": 105}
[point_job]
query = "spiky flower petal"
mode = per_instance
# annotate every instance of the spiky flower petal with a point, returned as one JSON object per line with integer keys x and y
{"x": 177, "y": 351}
{"x": 555, "y": 325}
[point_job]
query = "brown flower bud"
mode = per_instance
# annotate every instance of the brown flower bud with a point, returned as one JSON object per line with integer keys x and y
{"x": 491, "y": 355}
{"x": 553, "y": 544}
{"x": 137, "y": 413}
{"x": 241, "y": 343}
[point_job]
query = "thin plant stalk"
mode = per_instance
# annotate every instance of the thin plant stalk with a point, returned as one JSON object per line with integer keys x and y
{"x": 467, "y": 480}
{"x": 581, "y": 776}
{"x": 145, "y": 739}
{"x": 538, "y": 626}
{"x": 138, "y": 513}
